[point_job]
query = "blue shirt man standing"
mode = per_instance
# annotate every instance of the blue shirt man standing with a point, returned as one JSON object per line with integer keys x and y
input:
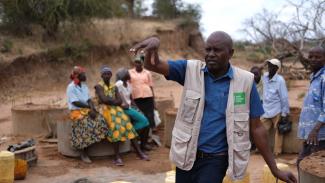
{"x": 312, "y": 118}
{"x": 211, "y": 161}
{"x": 275, "y": 101}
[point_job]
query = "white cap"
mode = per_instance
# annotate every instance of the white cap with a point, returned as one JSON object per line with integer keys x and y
{"x": 276, "y": 62}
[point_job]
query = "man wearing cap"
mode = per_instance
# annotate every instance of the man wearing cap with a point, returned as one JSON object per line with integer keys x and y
{"x": 219, "y": 110}
{"x": 275, "y": 101}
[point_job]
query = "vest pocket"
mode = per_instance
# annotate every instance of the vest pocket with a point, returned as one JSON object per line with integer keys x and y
{"x": 241, "y": 127}
{"x": 179, "y": 146}
{"x": 191, "y": 103}
{"x": 241, "y": 158}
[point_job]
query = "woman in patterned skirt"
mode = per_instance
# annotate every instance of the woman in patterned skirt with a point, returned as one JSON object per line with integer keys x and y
{"x": 139, "y": 120}
{"x": 88, "y": 126}
{"x": 120, "y": 127}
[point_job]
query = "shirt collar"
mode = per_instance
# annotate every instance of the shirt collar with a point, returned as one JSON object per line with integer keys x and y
{"x": 318, "y": 73}
{"x": 274, "y": 78}
{"x": 82, "y": 84}
{"x": 229, "y": 73}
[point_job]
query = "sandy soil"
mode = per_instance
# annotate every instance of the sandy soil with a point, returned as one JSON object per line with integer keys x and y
{"x": 53, "y": 167}
{"x": 314, "y": 164}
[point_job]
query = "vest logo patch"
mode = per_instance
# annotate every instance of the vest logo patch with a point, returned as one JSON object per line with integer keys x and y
{"x": 240, "y": 98}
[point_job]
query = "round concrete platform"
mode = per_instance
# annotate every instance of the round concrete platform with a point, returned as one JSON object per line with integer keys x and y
{"x": 103, "y": 148}
{"x": 35, "y": 119}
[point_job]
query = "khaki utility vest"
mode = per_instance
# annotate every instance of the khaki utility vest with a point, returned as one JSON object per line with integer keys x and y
{"x": 188, "y": 120}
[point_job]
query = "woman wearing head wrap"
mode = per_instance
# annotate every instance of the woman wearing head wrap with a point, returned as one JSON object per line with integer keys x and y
{"x": 140, "y": 122}
{"x": 88, "y": 126}
{"x": 142, "y": 91}
{"x": 120, "y": 127}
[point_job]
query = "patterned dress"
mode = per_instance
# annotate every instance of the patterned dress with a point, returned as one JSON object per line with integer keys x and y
{"x": 120, "y": 127}
{"x": 85, "y": 130}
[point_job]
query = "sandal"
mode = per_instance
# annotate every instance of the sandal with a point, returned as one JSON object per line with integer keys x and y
{"x": 144, "y": 157}
{"x": 118, "y": 162}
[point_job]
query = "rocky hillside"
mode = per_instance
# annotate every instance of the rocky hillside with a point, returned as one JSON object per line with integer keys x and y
{"x": 33, "y": 64}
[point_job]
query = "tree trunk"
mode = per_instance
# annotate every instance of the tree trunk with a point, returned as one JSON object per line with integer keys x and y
{"x": 130, "y": 8}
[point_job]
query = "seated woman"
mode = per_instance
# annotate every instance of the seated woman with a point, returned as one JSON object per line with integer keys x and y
{"x": 140, "y": 122}
{"x": 88, "y": 126}
{"x": 119, "y": 126}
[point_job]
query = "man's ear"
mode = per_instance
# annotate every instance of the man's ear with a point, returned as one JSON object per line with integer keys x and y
{"x": 231, "y": 52}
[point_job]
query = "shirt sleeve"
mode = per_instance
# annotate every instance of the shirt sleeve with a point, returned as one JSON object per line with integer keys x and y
{"x": 177, "y": 71}
{"x": 256, "y": 109}
{"x": 72, "y": 96}
{"x": 118, "y": 84}
{"x": 284, "y": 98}
{"x": 321, "y": 117}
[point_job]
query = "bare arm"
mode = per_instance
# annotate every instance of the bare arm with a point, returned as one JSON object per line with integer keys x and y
{"x": 152, "y": 62}
{"x": 105, "y": 99}
{"x": 133, "y": 102}
{"x": 80, "y": 104}
{"x": 258, "y": 133}
{"x": 91, "y": 105}
{"x": 118, "y": 99}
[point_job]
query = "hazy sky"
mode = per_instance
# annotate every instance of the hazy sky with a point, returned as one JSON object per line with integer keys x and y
{"x": 229, "y": 15}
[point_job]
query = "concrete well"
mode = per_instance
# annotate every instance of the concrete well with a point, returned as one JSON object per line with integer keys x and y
{"x": 163, "y": 104}
{"x": 311, "y": 168}
{"x": 103, "y": 148}
{"x": 34, "y": 119}
{"x": 291, "y": 143}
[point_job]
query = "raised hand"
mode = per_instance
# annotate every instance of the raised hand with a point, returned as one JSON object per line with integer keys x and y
{"x": 147, "y": 45}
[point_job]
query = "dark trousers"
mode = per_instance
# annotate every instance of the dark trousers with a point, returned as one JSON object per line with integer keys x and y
{"x": 146, "y": 105}
{"x": 205, "y": 170}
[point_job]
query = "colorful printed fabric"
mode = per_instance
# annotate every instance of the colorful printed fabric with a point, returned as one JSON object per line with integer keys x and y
{"x": 313, "y": 110}
{"x": 87, "y": 131}
{"x": 120, "y": 127}
{"x": 79, "y": 114}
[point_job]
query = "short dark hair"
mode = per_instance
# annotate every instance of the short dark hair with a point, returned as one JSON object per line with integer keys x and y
{"x": 319, "y": 47}
{"x": 227, "y": 38}
{"x": 255, "y": 68}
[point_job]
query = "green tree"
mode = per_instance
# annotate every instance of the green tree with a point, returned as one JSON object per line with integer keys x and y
{"x": 135, "y": 8}
{"x": 170, "y": 9}
{"x": 21, "y": 14}
{"x": 166, "y": 9}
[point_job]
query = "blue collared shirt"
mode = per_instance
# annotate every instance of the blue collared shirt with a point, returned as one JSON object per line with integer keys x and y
{"x": 313, "y": 110}
{"x": 213, "y": 136}
{"x": 275, "y": 96}
{"x": 76, "y": 93}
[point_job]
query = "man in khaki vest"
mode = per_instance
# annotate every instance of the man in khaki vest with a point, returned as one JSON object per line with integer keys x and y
{"x": 219, "y": 110}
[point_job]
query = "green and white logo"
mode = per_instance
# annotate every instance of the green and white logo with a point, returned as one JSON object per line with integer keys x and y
{"x": 240, "y": 98}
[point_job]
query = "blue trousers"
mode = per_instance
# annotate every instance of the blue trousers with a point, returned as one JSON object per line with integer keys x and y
{"x": 205, "y": 170}
{"x": 138, "y": 119}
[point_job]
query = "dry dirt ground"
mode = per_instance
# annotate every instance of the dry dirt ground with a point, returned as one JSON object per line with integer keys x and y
{"x": 53, "y": 167}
